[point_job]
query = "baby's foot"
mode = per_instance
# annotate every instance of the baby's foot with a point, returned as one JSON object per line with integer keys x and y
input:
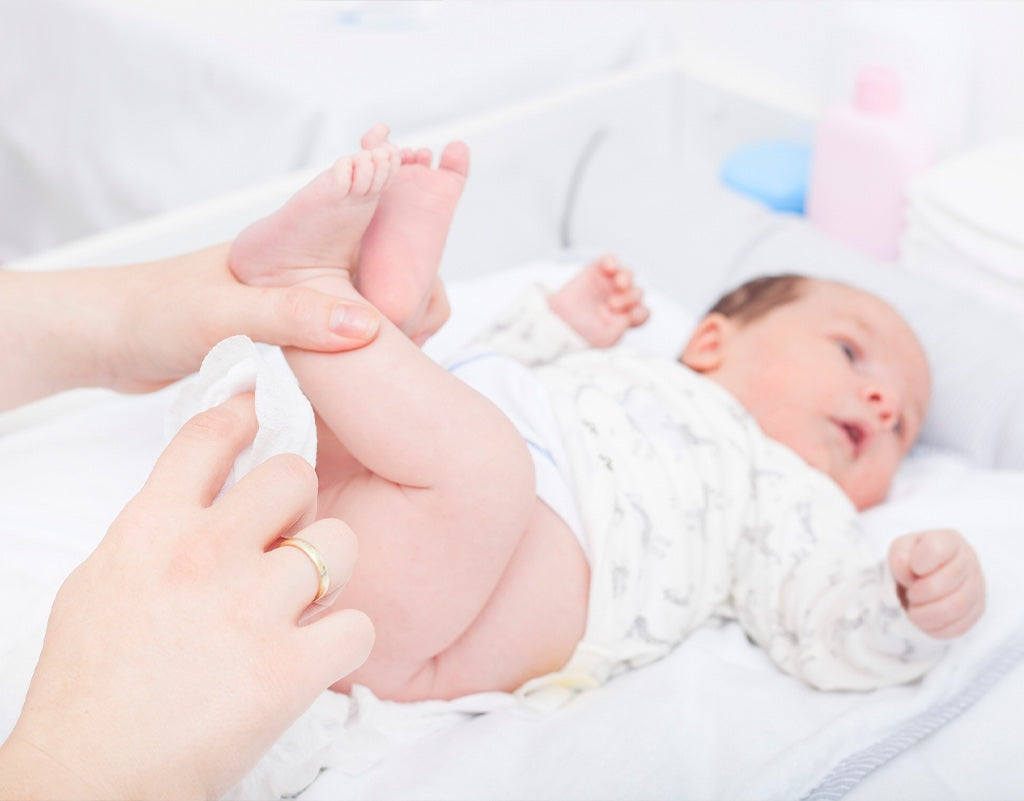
{"x": 401, "y": 252}
{"x": 318, "y": 230}
{"x": 601, "y": 302}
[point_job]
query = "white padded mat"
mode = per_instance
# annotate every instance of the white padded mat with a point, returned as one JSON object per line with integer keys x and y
{"x": 715, "y": 720}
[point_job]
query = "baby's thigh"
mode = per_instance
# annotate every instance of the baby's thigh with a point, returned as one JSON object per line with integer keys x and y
{"x": 534, "y": 619}
{"x": 430, "y": 560}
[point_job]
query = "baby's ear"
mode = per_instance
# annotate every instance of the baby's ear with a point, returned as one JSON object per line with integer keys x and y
{"x": 703, "y": 352}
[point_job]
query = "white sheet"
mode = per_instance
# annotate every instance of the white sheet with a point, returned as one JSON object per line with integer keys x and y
{"x": 715, "y": 720}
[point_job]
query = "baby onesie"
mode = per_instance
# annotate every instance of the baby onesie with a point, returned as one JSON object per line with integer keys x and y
{"x": 688, "y": 512}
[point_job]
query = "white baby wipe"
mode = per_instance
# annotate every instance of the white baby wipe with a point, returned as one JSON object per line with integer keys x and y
{"x": 285, "y": 416}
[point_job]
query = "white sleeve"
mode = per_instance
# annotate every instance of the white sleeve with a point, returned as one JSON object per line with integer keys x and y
{"x": 530, "y": 332}
{"x": 810, "y": 593}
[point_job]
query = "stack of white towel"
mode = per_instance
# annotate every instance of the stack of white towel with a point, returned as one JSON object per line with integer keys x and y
{"x": 965, "y": 223}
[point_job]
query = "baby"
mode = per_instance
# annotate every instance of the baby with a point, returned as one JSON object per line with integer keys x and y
{"x": 550, "y": 512}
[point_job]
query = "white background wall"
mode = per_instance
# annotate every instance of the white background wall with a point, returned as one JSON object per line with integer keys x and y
{"x": 115, "y": 110}
{"x": 962, "y": 60}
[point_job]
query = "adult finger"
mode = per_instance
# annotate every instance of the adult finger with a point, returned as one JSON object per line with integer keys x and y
{"x": 276, "y": 495}
{"x": 194, "y": 465}
{"x": 293, "y": 570}
{"x": 335, "y": 645}
{"x": 305, "y": 318}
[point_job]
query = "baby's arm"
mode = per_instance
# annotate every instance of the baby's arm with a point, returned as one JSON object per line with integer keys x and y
{"x": 814, "y": 595}
{"x": 601, "y": 302}
{"x": 940, "y": 581}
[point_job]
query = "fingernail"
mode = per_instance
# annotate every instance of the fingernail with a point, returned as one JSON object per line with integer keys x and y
{"x": 352, "y": 320}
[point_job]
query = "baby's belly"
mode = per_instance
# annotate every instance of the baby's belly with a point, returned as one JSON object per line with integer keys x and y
{"x": 533, "y": 620}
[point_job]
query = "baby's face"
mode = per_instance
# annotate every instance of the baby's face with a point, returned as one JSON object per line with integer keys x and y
{"x": 836, "y": 375}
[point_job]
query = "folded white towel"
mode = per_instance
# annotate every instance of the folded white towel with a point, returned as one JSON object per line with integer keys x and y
{"x": 285, "y": 416}
{"x": 965, "y": 225}
{"x": 982, "y": 190}
{"x": 931, "y": 256}
{"x": 926, "y": 221}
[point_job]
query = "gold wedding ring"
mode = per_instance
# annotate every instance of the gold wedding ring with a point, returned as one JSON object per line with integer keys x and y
{"x": 323, "y": 579}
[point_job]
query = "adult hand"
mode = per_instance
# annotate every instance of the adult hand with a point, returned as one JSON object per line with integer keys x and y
{"x": 174, "y": 656}
{"x": 138, "y": 327}
{"x": 176, "y": 310}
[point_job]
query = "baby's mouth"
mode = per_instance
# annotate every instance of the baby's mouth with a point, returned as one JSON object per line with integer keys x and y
{"x": 855, "y": 434}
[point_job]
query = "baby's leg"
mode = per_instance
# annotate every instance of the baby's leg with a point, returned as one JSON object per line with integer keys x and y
{"x": 435, "y": 480}
{"x": 386, "y": 209}
{"x": 318, "y": 230}
{"x": 401, "y": 252}
{"x": 445, "y": 503}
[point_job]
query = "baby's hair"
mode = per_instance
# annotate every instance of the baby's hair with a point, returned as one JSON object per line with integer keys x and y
{"x": 759, "y": 296}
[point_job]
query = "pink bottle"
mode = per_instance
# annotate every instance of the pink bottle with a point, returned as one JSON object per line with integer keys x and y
{"x": 864, "y": 155}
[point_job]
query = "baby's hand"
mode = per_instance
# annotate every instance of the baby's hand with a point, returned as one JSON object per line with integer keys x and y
{"x": 601, "y": 303}
{"x": 940, "y": 581}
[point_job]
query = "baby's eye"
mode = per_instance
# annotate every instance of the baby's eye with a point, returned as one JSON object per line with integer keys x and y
{"x": 899, "y": 428}
{"x": 848, "y": 350}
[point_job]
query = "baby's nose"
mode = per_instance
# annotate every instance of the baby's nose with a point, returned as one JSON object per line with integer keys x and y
{"x": 883, "y": 400}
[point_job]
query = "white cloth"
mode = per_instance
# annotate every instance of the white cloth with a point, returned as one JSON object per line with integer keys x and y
{"x": 285, "y": 416}
{"x": 691, "y": 512}
{"x": 965, "y": 225}
{"x": 979, "y": 195}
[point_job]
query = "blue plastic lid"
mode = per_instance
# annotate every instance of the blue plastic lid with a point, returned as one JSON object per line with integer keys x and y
{"x": 773, "y": 172}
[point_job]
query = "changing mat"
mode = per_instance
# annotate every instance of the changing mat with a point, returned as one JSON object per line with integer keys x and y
{"x": 713, "y": 720}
